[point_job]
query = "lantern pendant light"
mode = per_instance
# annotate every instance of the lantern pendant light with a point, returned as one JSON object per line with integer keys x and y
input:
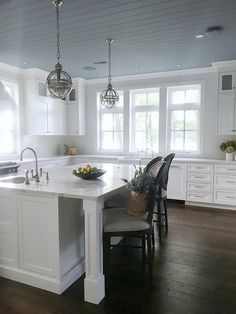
{"x": 59, "y": 82}
{"x": 109, "y": 96}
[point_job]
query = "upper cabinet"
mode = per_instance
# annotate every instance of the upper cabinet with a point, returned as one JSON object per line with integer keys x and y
{"x": 227, "y": 104}
{"x": 76, "y": 123}
{"x": 45, "y": 115}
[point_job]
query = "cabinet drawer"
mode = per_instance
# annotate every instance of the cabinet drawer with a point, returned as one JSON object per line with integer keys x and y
{"x": 230, "y": 169}
{"x": 225, "y": 197}
{"x": 225, "y": 182}
{"x": 203, "y": 178}
{"x": 199, "y": 197}
{"x": 200, "y": 168}
{"x": 199, "y": 187}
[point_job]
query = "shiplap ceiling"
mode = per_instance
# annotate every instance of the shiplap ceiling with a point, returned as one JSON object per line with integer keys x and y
{"x": 149, "y": 35}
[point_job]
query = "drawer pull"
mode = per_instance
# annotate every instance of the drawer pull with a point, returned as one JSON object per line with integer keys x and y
{"x": 233, "y": 182}
{"x": 231, "y": 169}
{"x": 198, "y": 186}
{"x": 227, "y": 196}
{"x": 199, "y": 177}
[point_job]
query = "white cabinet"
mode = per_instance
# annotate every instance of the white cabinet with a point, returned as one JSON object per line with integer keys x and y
{"x": 8, "y": 229}
{"x": 225, "y": 184}
{"x": 227, "y": 103}
{"x": 76, "y": 124}
{"x": 177, "y": 181}
{"x": 38, "y": 234}
{"x": 199, "y": 182}
{"x": 44, "y": 115}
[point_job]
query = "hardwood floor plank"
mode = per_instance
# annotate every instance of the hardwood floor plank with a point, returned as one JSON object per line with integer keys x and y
{"x": 194, "y": 272}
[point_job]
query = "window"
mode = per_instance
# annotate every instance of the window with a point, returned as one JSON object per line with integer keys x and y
{"x": 144, "y": 119}
{"x": 9, "y": 133}
{"x": 184, "y": 105}
{"x": 111, "y": 125}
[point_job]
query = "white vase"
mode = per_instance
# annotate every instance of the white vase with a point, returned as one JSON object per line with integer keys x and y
{"x": 229, "y": 156}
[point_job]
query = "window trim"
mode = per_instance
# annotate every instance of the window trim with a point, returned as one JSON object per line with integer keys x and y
{"x": 142, "y": 108}
{"x": 193, "y": 106}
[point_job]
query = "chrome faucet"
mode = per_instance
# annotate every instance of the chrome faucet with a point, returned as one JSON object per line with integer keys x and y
{"x": 36, "y": 177}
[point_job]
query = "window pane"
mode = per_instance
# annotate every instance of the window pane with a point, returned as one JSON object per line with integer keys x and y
{"x": 191, "y": 119}
{"x": 140, "y": 121}
{"x": 177, "y": 97}
{"x": 177, "y": 140}
{"x": 153, "y": 119}
{"x": 177, "y": 120}
{"x": 153, "y": 98}
{"x": 191, "y": 141}
{"x": 152, "y": 141}
{"x": 120, "y": 103}
{"x": 107, "y": 122}
{"x": 140, "y": 141}
{"x": 192, "y": 96}
{"x": 107, "y": 140}
{"x": 118, "y": 122}
{"x": 140, "y": 99}
{"x": 118, "y": 140}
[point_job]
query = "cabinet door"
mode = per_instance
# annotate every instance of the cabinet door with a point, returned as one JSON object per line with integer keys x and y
{"x": 177, "y": 182}
{"x": 72, "y": 119}
{"x": 40, "y": 120}
{"x": 8, "y": 229}
{"x": 227, "y": 82}
{"x": 61, "y": 117}
{"x": 38, "y": 234}
{"x": 52, "y": 116}
{"x": 226, "y": 118}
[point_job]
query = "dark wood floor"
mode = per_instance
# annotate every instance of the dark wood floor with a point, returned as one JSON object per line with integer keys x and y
{"x": 194, "y": 272}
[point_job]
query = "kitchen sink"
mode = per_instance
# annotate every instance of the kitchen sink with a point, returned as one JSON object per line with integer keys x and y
{"x": 15, "y": 180}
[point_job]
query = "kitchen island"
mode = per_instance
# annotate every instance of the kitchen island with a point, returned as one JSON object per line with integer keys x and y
{"x": 44, "y": 225}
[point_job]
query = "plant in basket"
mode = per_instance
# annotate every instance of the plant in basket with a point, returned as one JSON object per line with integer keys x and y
{"x": 140, "y": 186}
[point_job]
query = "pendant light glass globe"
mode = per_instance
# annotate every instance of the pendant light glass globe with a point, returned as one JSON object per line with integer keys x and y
{"x": 59, "y": 82}
{"x": 109, "y": 96}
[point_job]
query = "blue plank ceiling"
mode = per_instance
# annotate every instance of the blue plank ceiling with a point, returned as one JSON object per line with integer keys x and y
{"x": 150, "y": 35}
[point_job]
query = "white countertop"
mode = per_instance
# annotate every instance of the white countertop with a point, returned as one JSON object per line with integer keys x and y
{"x": 63, "y": 183}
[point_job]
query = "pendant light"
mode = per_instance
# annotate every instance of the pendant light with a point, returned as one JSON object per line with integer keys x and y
{"x": 109, "y": 96}
{"x": 59, "y": 82}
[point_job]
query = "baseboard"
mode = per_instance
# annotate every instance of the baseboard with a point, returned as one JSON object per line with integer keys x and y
{"x": 50, "y": 284}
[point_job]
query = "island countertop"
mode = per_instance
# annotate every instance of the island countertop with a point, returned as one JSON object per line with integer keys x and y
{"x": 63, "y": 183}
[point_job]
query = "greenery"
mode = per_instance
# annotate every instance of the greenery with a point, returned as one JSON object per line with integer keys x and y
{"x": 228, "y": 147}
{"x": 142, "y": 182}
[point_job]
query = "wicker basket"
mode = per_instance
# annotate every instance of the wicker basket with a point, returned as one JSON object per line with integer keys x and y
{"x": 137, "y": 204}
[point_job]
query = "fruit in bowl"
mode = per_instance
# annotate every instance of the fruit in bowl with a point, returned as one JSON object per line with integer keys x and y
{"x": 88, "y": 172}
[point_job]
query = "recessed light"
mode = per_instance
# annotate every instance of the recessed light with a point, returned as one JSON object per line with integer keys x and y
{"x": 200, "y": 36}
{"x": 89, "y": 68}
{"x": 25, "y": 62}
{"x": 179, "y": 65}
{"x": 214, "y": 29}
{"x": 100, "y": 62}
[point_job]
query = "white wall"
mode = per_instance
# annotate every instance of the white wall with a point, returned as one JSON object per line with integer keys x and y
{"x": 211, "y": 141}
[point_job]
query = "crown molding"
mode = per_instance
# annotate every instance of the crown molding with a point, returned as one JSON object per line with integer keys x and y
{"x": 230, "y": 65}
{"x": 154, "y": 75}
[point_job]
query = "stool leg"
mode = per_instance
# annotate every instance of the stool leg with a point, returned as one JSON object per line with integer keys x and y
{"x": 166, "y": 215}
{"x": 153, "y": 239}
{"x": 143, "y": 249}
{"x": 149, "y": 249}
{"x": 159, "y": 218}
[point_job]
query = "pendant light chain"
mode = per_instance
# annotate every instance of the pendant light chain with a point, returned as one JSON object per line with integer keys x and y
{"x": 59, "y": 82}
{"x": 109, "y": 58}
{"x": 109, "y": 96}
{"x": 58, "y": 33}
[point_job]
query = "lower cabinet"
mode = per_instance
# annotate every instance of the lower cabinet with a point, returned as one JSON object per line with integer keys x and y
{"x": 8, "y": 229}
{"x": 38, "y": 234}
{"x": 41, "y": 239}
{"x": 177, "y": 181}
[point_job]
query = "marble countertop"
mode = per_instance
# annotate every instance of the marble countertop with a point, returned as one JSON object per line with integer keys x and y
{"x": 121, "y": 159}
{"x": 63, "y": 183}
